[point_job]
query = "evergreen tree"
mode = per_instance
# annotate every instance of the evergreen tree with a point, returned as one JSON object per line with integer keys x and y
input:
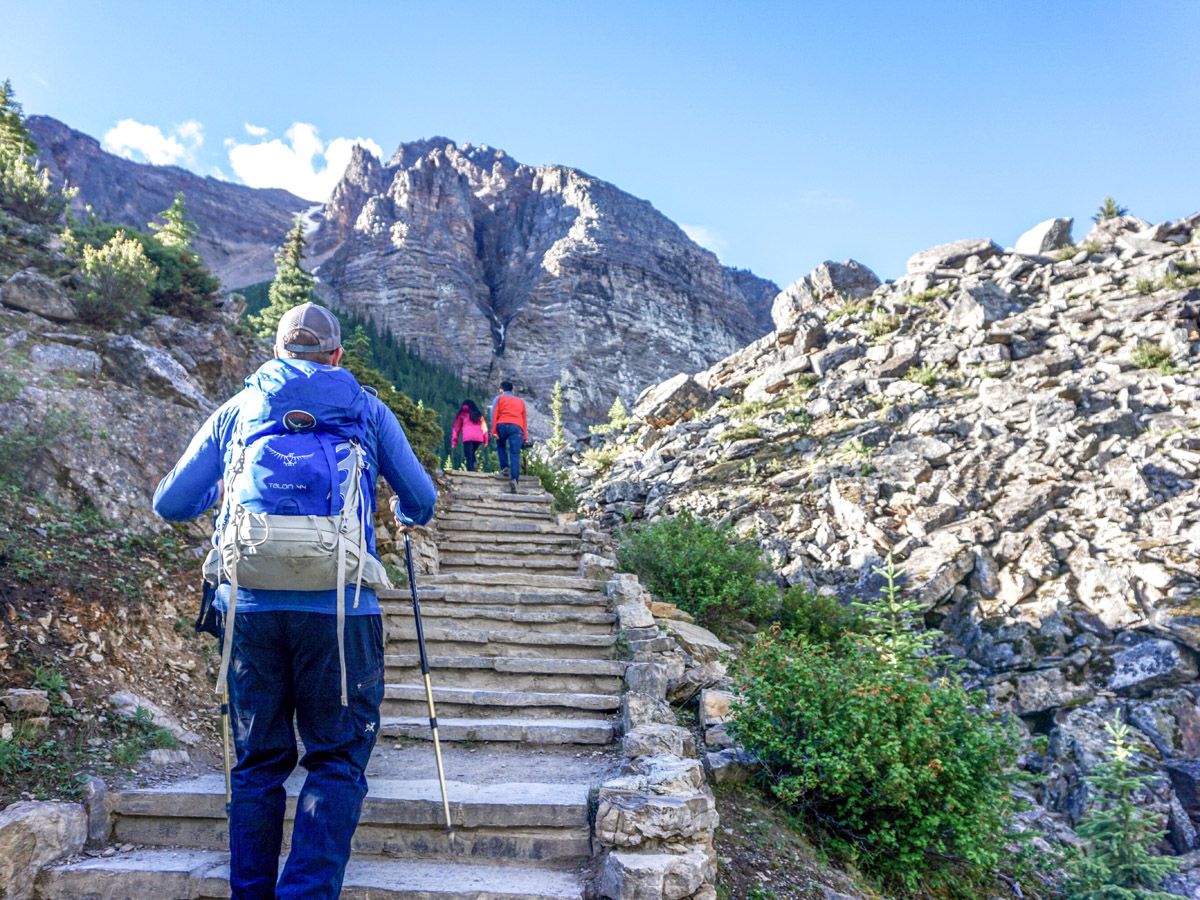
{"x": 558, "y": 438}
{"x": 1117, "y": 863}
{"x": 176, "y": 229}
{"x": 618, "y": 418}
{"x": 15, "y": 140}
{"x": 292, "y": 285}
{"x": 1109, "y": 209}
{"x": 893, "y": 621}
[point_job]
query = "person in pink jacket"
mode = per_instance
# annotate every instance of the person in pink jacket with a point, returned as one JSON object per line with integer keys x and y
{"x": 471, "y": 428}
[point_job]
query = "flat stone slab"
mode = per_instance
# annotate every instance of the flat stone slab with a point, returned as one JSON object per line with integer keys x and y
{"x": 205, "y": 873}
{"x": 389, "y": 802}
{"x": 529, "y": 731}
{"x": 451, "y": 632}
{"x": 524, "y": 665}
{"x": 503, "y": 698}
{"x": 509, "y": 580}
{"x": 515, "y": 615}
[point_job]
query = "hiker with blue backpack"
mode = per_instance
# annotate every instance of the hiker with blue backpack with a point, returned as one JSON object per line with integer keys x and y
{"x": 293, "y": 558}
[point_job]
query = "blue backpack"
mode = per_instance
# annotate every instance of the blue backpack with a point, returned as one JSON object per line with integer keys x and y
{"x": 298, "y": 492}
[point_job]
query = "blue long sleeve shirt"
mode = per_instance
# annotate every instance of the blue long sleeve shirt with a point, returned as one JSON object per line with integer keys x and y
{"x": 192, "y": 487}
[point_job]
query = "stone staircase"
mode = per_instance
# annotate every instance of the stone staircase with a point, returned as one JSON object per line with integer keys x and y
{"x": 521, "y": 651}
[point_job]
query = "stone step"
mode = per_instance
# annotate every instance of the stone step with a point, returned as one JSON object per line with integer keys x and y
{"x": 202, "y": 874}
{"x": 408, "y": 700}
{"x": 501, "y": 497}
{"x": 459, "y": 641}
{"x": 400, "y": 818}
{"x": 524, "y": 730}
{"x": 490, "y": 510}
{"x": 485, "y": 525}
{"x": 532, "y": 599}
{"x": 506, "y": 581}
{"x": 493, "y": 561}
{"x": 589, "y": 676}
{"x": 554, "y": 536}
{"x": 532, "y": 619}
{"x": 514, "y": 549}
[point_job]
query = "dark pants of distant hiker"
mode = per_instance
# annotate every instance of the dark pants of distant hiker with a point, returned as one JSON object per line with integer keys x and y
{"x": 286, "y": 663}
{"x": 470, "y": 448}
{"x": 511, "y": 437}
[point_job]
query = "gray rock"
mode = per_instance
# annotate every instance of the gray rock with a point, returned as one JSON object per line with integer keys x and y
{"x": 1150, "y": 665}
{"x": 699, "y": 643}
{"x": 654, "y": 876}
{"x": 26, "y": 701}
{"x": 729, "y": 765}
{"x": 635, "y": 818}
{"x": 33, "y": 834}
{"x": 643, "y": 709}
{"x": 715, "y": 706}
{"x": 99, "y": 815}
{"x": 127, "y": 703}
{"x": 1045, "y": 237}
{"x": 139, "y": 365}
{"x": 62, "y": 358}
{"x": 674, "y": 399}
{"x": 951, "y": 256}
{"x": 30, "y": 291}
{"x": 977, "y": 307}
{"x": 829, "y": 284}
{"x": 655, "y": 739}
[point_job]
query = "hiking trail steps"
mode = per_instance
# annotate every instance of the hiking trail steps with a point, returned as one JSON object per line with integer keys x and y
{"x": 528, "y": 692}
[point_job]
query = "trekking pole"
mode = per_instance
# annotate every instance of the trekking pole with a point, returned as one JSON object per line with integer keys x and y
{"x": 225, "y": 749}
{"x": 433, "y": 726}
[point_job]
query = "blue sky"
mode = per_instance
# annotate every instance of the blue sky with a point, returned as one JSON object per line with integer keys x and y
{"x": 780, "y": 133}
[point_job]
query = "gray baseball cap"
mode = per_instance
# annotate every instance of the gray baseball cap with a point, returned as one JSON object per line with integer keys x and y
{"x": 319, "y": 322}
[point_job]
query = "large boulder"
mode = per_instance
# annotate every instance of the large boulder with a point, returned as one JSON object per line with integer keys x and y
{"x": 829, "y": 284}
{"x": 1150, "y": 665}
{"x": 30, "y": 291}
{"x": 977, "y": 307}
{"x": 665, "y": 404}
{"x": 33, "y": 834}
{"x": 139, "y": 365}
{"x": 951, "y": 256}
{"x": 1045, "y": 237}
{"x": 654, "y": 876}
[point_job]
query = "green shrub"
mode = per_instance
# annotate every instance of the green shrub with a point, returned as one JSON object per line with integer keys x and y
{"x": 926, "y": 376}
{"x": 600, "y": 458}
{"x": 819, "y": 618}
{"x": 118, "y": 277}
{"x": 1116, "y": 863}
{"x": 618, "y": 419}
{"x": 26, "y": 192}
{"x": 1148, "y": 355}
{"x": 555, "y": 481}
{"x": 908, "y": 772}
{"x": 1145, "y": 286}
{"x": 702, "y": 568}
{"x": 742, "y": 432}
{"x": 1109, "y": 209}
{"x": 882, "y": 323}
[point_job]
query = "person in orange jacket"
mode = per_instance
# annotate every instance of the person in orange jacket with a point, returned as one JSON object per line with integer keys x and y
{"x": 472, "y": 429}
{"x": 511, "y": 431}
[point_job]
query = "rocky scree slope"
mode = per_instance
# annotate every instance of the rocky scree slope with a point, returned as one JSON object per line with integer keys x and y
{"x": 239, "y": 227}
{"x": 538, "y": 274}
{"x": 1022, "y": 430}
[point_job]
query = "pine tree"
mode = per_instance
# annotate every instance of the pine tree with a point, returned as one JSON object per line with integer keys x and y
{"x": 176, "y": 229}
{"x": 893, "y": 620}
{"x": 292, "y": 285}
{"x": 558, "y": 438}
{"x": 1117, "y": 863}
{"x": 618, "y": 418}
{"x": 16, "y": 142}
{"x": 1109, "y": 209}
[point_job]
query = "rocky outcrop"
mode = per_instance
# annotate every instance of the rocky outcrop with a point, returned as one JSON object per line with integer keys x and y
{"x": 1021, "y": 432}
{"x": 239, "y": 227}
{"x": 538, "y": 274}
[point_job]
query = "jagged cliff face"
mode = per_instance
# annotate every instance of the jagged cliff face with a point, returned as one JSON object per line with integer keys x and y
{"x": 1022, "y": 430}
{"x": 240, "y": 227}
{"x": 537, "y": 274}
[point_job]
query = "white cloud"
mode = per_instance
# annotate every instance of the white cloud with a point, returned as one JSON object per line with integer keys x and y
{"x": 705, "y": 237}
{"x": 136, "y": 140}
{"x": 302, "y": 164}
{"x": 255, "y": 130}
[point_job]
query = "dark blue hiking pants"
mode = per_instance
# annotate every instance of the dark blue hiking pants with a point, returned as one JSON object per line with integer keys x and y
{"x": 285, "y": 664}
{"x": 508, "y": 446}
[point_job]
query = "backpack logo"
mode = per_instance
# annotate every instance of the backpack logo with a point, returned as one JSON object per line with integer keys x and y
{"x": 299, "y": 420}
{"x": 289, "y": 459}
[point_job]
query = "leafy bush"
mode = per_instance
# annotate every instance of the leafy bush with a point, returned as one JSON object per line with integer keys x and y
{"x": 742, "y": 432}
{"x": 118, "y": 277}
{"x": 1117, "y": 863}
{"x": 819, "y": 618}
{"x": 600, "y": 458}
{"x": 926, "y": 376}
{"x": 702, "y": 568}
{"x": 554, "y": 480}
{"x": 882, "y": 323}
{"x": 908, "y": 772}
{"x": 1148, "y": 355}
{"x": 26, "y": 192}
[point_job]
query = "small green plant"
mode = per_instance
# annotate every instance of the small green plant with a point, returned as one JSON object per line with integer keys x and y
{"x": 701, "y": 567}
{"x": 747, "y": 410}
{"x": 558, "y": 437}
{"x": 600, "y": 459}
{"x": 1109, "y": 209}
{"x": 882, "y": 323}
{"x": 819, "y": 618}
{"x": 851, "y": 309}
{"x": 892, "y": 620}
{"x": 618, "y": 418}
{"x": 1119, "y": 833}
{"x": 1066, "y": 253}
{"x": 1092, "y": 247}
{"x": 555, "y": 481}
{"x": 742, "y": 432}
{"x": 52, "y": 681}
{"x": 1148, "y": 355}
{"x": 119, "y": 277}
{"x": 926, "y": 375}
{"x": 927, "y": 296}
{"x": 1145, "y": 286}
